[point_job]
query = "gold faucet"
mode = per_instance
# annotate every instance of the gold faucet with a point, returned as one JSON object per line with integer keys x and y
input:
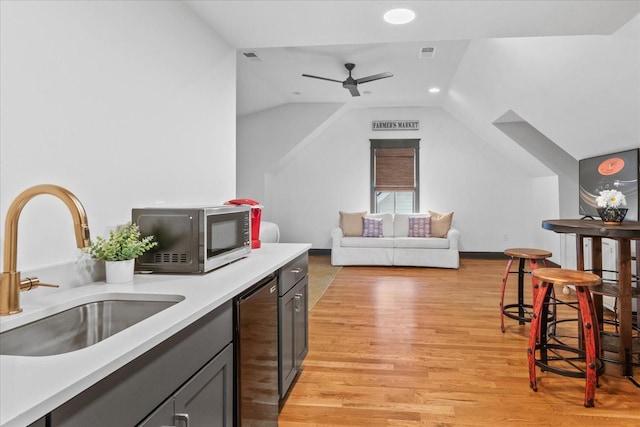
{"x": 11, "y": 285}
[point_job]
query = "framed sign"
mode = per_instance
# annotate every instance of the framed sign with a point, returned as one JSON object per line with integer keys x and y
{"x": 615, "y": 171}
{"x": 395, "y": 125}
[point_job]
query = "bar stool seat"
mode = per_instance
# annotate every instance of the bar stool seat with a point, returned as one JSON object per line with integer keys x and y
{"x": 583, "y": 361}
{"x": 520, "y": 311}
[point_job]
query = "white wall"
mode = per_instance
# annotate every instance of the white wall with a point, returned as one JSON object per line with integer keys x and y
{"x": 123, "y": 103}
{"x": 459, "y": 172}
{"x": 545, "y": 195}
{"x": 266, "y": 140}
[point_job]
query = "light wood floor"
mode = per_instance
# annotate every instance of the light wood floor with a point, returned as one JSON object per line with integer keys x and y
{"x": 423, "y": 347}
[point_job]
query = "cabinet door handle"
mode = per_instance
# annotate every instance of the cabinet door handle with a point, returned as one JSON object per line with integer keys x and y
{"x": 182, "y": 417}
{"x": 296, "y": 270}
{"x": 298, "y": 299}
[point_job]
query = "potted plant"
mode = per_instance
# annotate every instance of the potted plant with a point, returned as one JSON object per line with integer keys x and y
{"x": 119, "y": 251}
{"x": 609, "y": 202}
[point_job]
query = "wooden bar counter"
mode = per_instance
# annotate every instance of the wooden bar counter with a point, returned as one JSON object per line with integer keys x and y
{"x": 625, "y": 234}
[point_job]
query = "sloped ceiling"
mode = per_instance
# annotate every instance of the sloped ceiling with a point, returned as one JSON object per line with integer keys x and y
{"x": 581, "y": 92}
{"x": 569, "y": 68}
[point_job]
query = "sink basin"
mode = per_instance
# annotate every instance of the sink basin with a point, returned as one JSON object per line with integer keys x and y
{"x": 79, "y": 327}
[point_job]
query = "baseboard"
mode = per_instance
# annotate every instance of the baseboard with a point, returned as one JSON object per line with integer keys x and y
{"x": 482, "y": 255}
{"x": 320, "y": 252}
{"x": 470, "y": 255}
{"x": 463, "y": 255}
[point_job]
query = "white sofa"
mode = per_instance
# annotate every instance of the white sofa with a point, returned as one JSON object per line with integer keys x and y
{"x": 395, "y": 247}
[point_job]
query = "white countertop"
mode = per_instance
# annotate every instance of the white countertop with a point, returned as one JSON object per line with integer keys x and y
{"x": 31, "y": 387}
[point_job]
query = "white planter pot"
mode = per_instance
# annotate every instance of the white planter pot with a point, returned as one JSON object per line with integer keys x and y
{"x": 119, "y": 271}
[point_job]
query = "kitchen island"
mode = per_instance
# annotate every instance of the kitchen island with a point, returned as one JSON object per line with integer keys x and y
{"x": 31, "y": 387}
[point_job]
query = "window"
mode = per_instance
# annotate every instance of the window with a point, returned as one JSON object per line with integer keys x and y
{"x": 394, "y": 175}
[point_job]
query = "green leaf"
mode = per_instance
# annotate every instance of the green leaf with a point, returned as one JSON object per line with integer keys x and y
{"x": 123, "y": 243}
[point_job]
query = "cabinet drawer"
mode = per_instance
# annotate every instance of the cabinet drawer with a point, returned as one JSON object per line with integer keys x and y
{"x": 291, "y": 273}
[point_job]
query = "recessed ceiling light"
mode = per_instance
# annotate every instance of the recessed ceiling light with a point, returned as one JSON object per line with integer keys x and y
{"x": 399, "y": 16}
{"x": 434, "y": 90}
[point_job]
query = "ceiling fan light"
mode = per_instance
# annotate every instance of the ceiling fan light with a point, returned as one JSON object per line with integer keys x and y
{"x": 399, "y": 16}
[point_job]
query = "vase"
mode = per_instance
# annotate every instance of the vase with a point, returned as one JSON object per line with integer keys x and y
{"x": 119, "y": 271}
{"x": 612, "y": 216}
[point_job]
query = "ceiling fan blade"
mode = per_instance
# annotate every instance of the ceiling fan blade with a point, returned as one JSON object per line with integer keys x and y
{"x": 374, "y": 77}
{"x": 353, "y": 89}
{"x": 321, "y": 78}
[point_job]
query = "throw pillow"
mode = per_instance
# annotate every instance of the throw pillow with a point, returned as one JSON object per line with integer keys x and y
{"x": 351, "y": 223}
{"x": 440, "y": 223}
{"x": 401, "y": 223}
{"x": 419, "y": 226}
{"x": 387, "y": 223}
{"x": 372, "y": 227}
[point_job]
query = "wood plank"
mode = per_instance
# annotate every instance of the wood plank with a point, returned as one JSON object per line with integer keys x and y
{"x": 423, "y": 347}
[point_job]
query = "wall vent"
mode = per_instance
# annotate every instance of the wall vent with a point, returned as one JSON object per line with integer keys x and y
{"x": 427, "y": 52}
{"x": 252, "y": 56}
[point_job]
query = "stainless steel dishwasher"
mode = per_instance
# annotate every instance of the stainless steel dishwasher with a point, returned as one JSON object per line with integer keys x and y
{"x": 256, "y": 330}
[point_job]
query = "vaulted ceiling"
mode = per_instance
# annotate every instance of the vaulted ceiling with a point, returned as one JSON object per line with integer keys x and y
{"x": 318, "y": 37}
{"x": 472, "y": 41}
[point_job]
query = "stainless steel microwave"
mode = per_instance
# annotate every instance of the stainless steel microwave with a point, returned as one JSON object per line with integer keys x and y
{"x": 193, "y": 239}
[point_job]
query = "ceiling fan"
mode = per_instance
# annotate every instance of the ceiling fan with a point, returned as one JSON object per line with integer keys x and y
{"x": 350, "y": 83}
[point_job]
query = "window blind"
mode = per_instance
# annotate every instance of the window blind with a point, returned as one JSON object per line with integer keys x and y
{"x": 394, "y": 169}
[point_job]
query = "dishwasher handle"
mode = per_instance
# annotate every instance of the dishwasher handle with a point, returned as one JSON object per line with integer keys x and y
{"x": 255, "y": 288}
{"x": 182, "y": 417}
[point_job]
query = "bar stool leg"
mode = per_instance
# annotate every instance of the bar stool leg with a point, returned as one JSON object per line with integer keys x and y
{"x": 590, "y": 330}
{"x": 533, "y": 264}
{"x": 535, "y": 331}
{"x": 535, "y": 285}
{"x": 521, "y": 273}
{"x": 504, "y": 285}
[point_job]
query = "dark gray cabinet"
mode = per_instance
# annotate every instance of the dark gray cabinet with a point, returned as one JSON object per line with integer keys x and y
{"x": 130, "y": 394}
{"x": 188, "y": 379}
{"x": 40, "y": 423}
{"x": 203, "y": 400}
{"x": 293, "y": 320}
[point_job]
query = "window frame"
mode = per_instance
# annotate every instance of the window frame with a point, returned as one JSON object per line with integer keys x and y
{"x": 404, "y": 143}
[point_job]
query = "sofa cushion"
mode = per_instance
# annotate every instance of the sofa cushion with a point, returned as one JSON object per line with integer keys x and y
{"x": 419, "y": 226}
{"x": 421, "y": 243}
{"x": 372, "y": 227}
{"x": 351, "y": 223}
{"x": 366, "y": 242}
{"x": 440, "y": 223}
{"x": 387, "y": 223}
{"x": 401, "y": 223}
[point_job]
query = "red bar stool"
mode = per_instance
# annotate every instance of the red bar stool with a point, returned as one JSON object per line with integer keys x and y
{"x": 582, "y": 361}
{"x": 523, "y": 313}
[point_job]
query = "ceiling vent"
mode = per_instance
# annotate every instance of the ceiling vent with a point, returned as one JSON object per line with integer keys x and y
{"x": 427, "y": 52}
{"x": 252, "y": 56}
